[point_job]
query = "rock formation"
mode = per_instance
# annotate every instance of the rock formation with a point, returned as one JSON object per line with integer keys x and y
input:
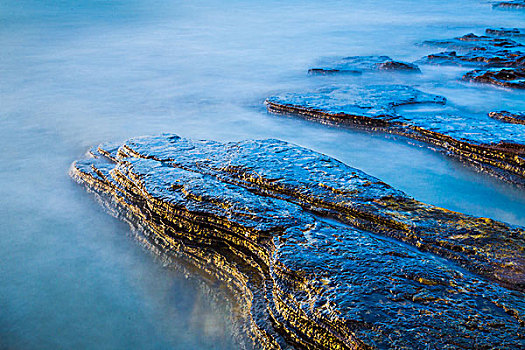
{"x": 513, "y": 117}
{"x": 490, "y": 144}
{"x": 324, "y": 255}
{"x": 508, "y": 77}
{"x": 360, "y": 64}
{"x": 516, "y": 4}
{"x": 502, "y": 59}
{"x": 508, "y": 32}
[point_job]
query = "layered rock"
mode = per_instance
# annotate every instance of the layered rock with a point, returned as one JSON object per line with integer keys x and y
{"x": 513, "y": 117}
{"x": 508, "y": 77}
{"x": 472, "y": 41}
{"x": 324, "y": 255}
{"x": 478, "y": 50}
{"x": 508, "y": 32}
{"x": 484, "y": 142}
{"x": 502, "y": 58}
{"x": 361, "y": 64}
{"x": 517, "y": 4}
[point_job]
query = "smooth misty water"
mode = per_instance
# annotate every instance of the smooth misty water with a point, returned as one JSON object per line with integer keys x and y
{"x": 73, "y": 75}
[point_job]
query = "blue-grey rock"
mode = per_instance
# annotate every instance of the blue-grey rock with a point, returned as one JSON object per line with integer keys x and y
{"x": 323, "y": 255}
{"x": 484, "y": 142}
{"x": 361, "y": 64}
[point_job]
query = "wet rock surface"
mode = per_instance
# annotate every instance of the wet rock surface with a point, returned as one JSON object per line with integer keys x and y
{"x": 514, "y": 117}
{"x": 325, "y": 255}
{"x": 478, "y": 50}
{"x": 361, "y": 64}
{"x": 519, "y": 4}
{"x": 487, "y": 143}
{"x": 472, "y": 41}
{"x": 508, "y": 32}
{"x": 492, "y": 52}
{"x": 372, "y": 105}
{"x": 508, "y": 77}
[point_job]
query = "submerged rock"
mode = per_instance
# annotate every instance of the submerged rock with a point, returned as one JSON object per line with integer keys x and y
{"x": 360, "y": 64}
{"x": 484, "y": 142}
{"x": 508, "y": 32}
{"x": 490, "y": 52}
{"x": 478, "y": 50}
{"x": 509, "y": 117}
{"x": 472, "y": 41}
{"x": 508, "y": 77}
{"x": 493, "y": 58}
{"x": 256, "y": 214}
{"x": 510, "y": 4}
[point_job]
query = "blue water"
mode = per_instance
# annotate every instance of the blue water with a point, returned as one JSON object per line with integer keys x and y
{"x": 74, "y": 74}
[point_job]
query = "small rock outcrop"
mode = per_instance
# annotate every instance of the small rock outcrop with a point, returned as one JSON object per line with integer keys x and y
{"x": 478, "y": 50}
{"x": 502, "y": 59}
{"x": 508, "y": 32}
{"x": 361, "y": 64}
{"x": 507, "y": 77}
{"x": 517, "y": 4}
{"x": 513, "y": 117}
{"x": 324, "y": 255}
{"x": 484, "y": 142}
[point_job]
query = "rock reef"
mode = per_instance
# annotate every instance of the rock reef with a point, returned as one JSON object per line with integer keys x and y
{"x": 324, "y": 255}
{"x": 518, "y": 4}
{"x": 508, "y": 32}
{"x": 509, "y": 117}
{"x": 486, "y": 143}
{"x": 508, "y": 77}
{"x": 478, "y": 50}
{"x": 502, "y": 58}
{"x": 361, "y": 64}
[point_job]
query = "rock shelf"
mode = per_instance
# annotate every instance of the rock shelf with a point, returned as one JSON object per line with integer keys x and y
{"x": 486, "y": 143}
{"x": 513, "y": 117}
{"x": 324, "y": 255}
{"x": 361, "y": 64}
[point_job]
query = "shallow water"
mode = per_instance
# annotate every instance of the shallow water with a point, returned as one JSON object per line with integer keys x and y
{"x": 74, "y": 75}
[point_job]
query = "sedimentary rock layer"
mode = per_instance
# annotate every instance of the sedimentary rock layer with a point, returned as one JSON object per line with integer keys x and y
{"x": 517, "y": 4}
{"x": 513, "y": 117}
{"x": 490, "y": 144}
{"x": 361, "y": 64}
{"x": 508, "y": 77}
{"x": 480, "y": 50}
{"x": 502, "y": 58}
{"x": 324, "y": 255}
{"x": 508, "y": 32}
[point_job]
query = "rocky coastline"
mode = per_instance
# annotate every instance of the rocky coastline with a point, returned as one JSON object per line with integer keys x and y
{"x": 324, "y": 255}
{"x": 489, "y": 143}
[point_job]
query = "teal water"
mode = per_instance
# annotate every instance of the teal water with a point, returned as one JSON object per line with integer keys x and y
{"x": 74, "y": 74}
